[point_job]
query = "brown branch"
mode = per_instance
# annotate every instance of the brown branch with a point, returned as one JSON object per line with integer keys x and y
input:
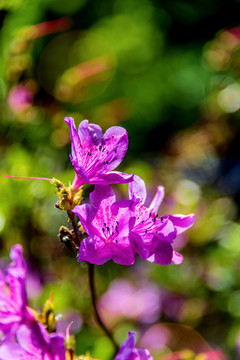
{"x": 94, "y": 303}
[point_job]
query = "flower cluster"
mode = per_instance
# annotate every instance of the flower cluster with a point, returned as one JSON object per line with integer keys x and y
{"x": 118, "y": 230}
{"x": 107, "y": 229}
{"x": 24, "y": 336}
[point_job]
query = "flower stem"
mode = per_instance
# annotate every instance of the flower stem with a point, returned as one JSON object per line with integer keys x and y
{"x": 74, "y": 225}
{"x": 91, "y": 285}
{"x": 94, "y": 303}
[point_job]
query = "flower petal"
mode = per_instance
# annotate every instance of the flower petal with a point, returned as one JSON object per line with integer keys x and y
{"x": 89, "y": 134}
{"x": 75, "y": 141}
{"x": 129, "y": 352}
{"x": 182, "y": 222}
{"x": 115, "y": 140}
{"x": 113, "y": 177}
{"x": 162, "y": 253}
{"x": 137, "y": 190}
{"x": 176, "y": 258}
{"x": 95, "y": 215}
{"x": 10, "y": 350}
{"x": 157, "y": 200}
{"x": 81, "y": 176}
{"x": 122, "y": 252}
{"x": 57, "y": 346}
{"x": 95, "y": 251}
{"x": 139, "y": 245}
{"x": 16, "y": 275}
{"x": 167, "y": 232}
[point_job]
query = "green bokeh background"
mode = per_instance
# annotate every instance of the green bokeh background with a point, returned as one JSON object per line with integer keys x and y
{"x": 167, "y": 71}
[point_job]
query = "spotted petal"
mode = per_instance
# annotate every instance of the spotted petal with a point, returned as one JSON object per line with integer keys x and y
{"x": 95, "y": 215}
{"x": 95, "y": 155}
{"x": 115, "y": 140}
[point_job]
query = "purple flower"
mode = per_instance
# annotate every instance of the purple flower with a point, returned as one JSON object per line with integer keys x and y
{"x": 119, "y": 230}
{"x": 13, "y": 299}
{"x": 23, "y": 337}
{"x": 108, "y": 231}
{"x": 95, "y": 155}
{"x": 129, "y": 352}
{"x": 33, "y": 343}
{"x": 153, "y": 236}
{"x": 123, "y": 299}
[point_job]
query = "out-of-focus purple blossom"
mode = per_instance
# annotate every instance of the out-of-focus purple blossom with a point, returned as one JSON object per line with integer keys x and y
{"x": 108, "y": 233}
{"x": 33, "y": 343}
{"x": 238, "y": 348}
{"x": 172, "y": 306}
{"x": 23, "y": 337}
{"x": 73, "y": 318}
{"x": 156, "y": 338}
{"x": 122, "y": 299}
{"x": 128, "y": 351}
{"x": 153, "y": 235}
{"x": 33, "y": 283}
{"x": 19, "y": 98}
{"x": 95, "y": 155}
{"x": 13, "y": 298}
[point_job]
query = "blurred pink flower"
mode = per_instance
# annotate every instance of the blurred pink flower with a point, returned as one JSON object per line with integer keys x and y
{"x": 122, "y": 299}
{"x": 23, "y": 336}
{"x": 19, "y": 98}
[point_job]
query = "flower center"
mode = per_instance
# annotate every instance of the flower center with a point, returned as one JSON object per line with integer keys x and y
{"x": 110, "y": 231}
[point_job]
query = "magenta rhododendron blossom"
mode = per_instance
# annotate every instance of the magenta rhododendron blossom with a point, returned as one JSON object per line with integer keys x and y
{"x": 153, "y": 235}
{"x": 108, "y": 232}
{"x": 33, "y": 343}
{"x": 128, "y": 351}
{"x": 118, "y": 230}
{"x": 13, "y": 299}
{"x": 95, "y": 155}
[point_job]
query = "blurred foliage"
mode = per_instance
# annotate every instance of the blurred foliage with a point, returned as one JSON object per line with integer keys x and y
{"x": 169, "y": 73}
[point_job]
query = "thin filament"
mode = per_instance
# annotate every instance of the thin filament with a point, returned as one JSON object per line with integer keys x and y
{"x": 26, "y": 177}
